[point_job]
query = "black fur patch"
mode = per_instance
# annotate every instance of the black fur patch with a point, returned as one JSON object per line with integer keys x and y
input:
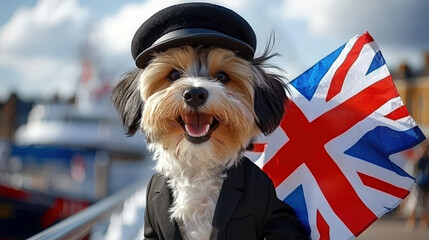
{"x": 270, "y": 97}
{"x": 269, "y": 105}
{"x": 127, "y": 101}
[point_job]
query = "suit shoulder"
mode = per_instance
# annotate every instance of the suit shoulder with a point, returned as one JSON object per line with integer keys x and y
{"x": 250, "y": 167}
{"x": 156, "y": 177}
{"x": 254, "y": 174}
{"x": 156, "y": 183}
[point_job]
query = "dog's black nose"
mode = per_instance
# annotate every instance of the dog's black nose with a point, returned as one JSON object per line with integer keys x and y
{"x": 195, "y": 96}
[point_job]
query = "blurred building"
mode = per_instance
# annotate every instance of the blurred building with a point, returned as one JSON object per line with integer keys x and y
{"x": 13, "y": 113}
{"x": 413, "y": 86}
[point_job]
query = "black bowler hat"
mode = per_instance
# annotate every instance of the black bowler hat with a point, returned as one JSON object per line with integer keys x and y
{"x": 193, "y": 24}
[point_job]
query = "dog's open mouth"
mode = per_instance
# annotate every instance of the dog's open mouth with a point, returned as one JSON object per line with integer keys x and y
{"x": 198, "y": 127}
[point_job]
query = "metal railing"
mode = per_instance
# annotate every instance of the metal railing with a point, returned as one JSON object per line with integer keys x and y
{"x": 80, "y": 224}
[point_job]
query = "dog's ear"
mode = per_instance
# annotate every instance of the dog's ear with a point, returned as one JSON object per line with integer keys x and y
{"x": 270, "y": 94}
{"x": 127, "y": 101}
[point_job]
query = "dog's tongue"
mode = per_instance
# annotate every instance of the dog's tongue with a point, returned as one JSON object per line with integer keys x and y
{"x": 197, "y": 125}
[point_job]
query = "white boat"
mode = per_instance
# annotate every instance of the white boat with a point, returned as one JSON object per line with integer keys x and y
{"x": 95, "y": 126}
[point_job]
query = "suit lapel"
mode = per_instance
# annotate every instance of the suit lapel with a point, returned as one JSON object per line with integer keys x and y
{"x": 229, "y": 197}
{"x": 163, "y": 201}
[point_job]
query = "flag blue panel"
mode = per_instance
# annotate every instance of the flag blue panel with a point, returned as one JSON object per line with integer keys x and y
{"x": 307, "y": 82}
{"x": 376, "y": 63}
{"x": 297, "y": 201}
{"x": 378, "y": 144}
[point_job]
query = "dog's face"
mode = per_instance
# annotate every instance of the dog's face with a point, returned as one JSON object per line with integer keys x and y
{"x": 199, "y": 100}
{"x": 202, "y": 102}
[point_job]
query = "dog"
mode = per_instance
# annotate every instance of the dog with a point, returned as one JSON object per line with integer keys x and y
{"x": 200, "y": 107}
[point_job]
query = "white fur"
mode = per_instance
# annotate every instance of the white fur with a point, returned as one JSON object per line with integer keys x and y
{"x": 195, "y": 186}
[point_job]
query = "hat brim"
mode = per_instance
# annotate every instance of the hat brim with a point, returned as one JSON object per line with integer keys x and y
{"x": 195, "y": 37}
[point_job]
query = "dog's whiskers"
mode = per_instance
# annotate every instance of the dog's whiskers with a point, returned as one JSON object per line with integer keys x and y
{"x": 181, "y": 136}
{"x": 219, "y": 141}
{"x": 173, "y": 123}
{"x": 177, "y": 152}
{"x": 179, "y": 139}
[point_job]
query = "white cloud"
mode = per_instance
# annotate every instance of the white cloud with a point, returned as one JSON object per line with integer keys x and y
{"x": 399, "y": 27}
{"x": 112, "y": 34}
{"x": 395, "y": 22}
{"x": 42, "y": 46}
{"x": 45, "y": 28}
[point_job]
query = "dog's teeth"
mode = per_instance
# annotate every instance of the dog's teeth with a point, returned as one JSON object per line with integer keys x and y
{"x": 201, "y": 134}
{"x": 188, "y": 130}
{"x": 207, "y": 126}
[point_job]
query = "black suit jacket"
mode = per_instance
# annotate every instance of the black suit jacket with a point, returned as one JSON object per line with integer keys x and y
{"x": 247, "y": 209}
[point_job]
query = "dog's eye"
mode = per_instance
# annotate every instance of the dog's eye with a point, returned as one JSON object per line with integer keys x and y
{"x": 222, "y": 77}
{"x": 174, "y": 75}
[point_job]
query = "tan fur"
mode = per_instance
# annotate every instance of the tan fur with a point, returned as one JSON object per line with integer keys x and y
{"x": 231, "y": 104}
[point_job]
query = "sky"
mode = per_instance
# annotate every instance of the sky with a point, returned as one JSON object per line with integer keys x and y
{"x": 43, "y": 42}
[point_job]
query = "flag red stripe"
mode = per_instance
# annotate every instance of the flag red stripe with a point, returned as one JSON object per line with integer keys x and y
{"x": 383, "y": 90}
{"x": 398, "y": 113}
{"x": 326, "y": 172}
{"x": 259, "y": 147}
{"x": 315, "y": 135}
{"x": 332, "y": 180}
{"x": 383, "y": 186}
{"x": 322, "y": 227}
{"x": 341, "y": 73}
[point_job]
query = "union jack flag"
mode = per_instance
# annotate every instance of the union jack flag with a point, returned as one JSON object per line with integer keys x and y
{"x": 333, "y": 156}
